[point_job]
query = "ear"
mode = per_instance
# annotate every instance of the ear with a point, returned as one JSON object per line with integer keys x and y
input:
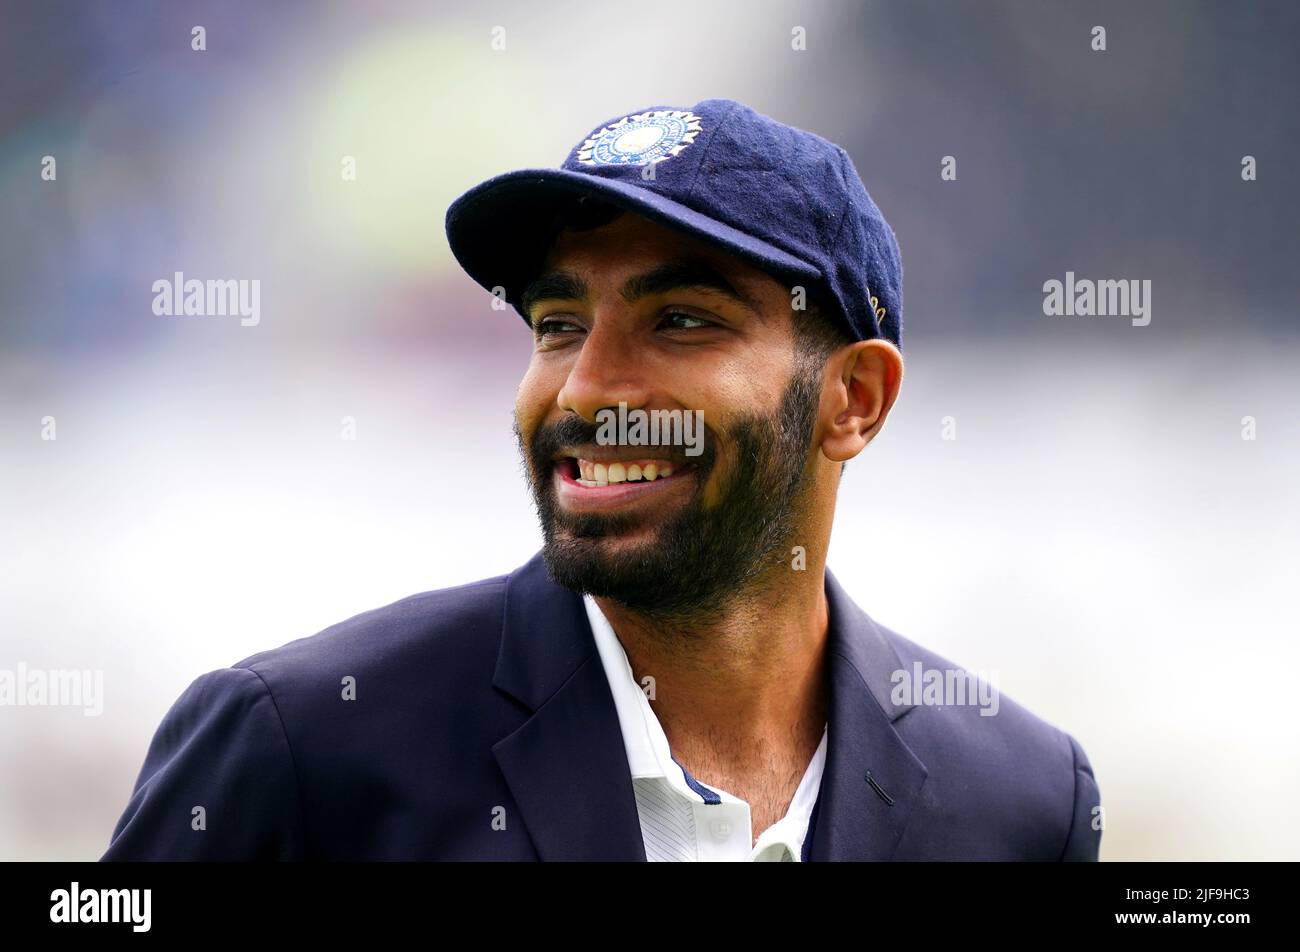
{"x": 862, "y": 382}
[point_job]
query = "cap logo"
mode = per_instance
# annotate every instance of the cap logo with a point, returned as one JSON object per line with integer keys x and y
{"x": 641, "y": 139}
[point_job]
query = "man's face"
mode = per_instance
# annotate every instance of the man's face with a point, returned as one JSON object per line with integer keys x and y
{"x": 637, "y": 313}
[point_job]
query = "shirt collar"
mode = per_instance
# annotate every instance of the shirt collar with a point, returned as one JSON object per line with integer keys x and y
{"x": 647, "y": 746}
{"x": 649, "y": 755}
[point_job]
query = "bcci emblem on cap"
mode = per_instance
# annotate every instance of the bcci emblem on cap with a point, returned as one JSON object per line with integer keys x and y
{"x": 641, "y": 139}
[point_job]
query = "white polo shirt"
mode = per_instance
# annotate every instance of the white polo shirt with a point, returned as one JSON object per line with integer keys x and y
{"x": 681, "y": 819}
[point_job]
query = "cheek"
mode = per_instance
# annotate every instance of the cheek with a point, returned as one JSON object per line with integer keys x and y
{"x": 535, "y": 397}
{"x": 749, "y": 378}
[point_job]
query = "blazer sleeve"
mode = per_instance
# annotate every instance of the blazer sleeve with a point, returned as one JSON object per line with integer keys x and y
{"x": 218, "y": 782}
{"x": 1083, "y": 842}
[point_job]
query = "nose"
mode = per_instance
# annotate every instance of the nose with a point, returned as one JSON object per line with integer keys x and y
{"x": 606, "y": 372}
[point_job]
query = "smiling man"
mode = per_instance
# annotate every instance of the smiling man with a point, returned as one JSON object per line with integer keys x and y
{"x": 676, "y": 675}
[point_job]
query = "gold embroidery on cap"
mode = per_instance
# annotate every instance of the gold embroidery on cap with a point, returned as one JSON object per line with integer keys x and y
{"x": 875, "y": 304}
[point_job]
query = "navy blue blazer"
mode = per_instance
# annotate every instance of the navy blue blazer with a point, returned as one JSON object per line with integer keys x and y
{"x": 483, "y": 727}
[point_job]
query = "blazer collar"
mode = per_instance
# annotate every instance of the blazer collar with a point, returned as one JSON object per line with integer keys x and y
{"x": 872, "y": 778}
{"x": 567, "y": 766}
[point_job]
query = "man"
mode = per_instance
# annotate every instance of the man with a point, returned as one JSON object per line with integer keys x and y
{"x": 676, "y": 675}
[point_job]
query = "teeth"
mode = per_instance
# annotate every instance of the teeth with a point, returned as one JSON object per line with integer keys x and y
{"x": 591, "y": 473}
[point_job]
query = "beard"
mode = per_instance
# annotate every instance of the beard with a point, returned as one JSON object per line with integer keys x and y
{"x": 703, "y": 556}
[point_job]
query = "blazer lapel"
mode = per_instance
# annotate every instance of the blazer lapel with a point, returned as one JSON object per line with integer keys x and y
{"x": 872, "y": 779}
{"x": 566, "y": 765}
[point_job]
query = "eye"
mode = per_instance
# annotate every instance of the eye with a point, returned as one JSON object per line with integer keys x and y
{"x": 680, "y": 320}
{"x": 552, "y": 325}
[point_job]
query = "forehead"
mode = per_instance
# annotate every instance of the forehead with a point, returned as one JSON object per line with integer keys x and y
{"x": 632, "y": 243}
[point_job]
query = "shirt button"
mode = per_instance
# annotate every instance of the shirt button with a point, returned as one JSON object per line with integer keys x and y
{"x": 721, "y": 829}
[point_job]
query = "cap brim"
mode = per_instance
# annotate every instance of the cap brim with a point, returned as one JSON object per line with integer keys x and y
{"x": 498, "y": 230}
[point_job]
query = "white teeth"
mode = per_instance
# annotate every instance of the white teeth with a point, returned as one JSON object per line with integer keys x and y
{"x": 591, "y": 473}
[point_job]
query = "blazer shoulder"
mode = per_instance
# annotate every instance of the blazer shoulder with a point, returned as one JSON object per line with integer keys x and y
{"x": 235, "y": 751}
{"x": 218, "y": 781}
{"x": 972, "y": 707}
{"x": 993, "y": 747}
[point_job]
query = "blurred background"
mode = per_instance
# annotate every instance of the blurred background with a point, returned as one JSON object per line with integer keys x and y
{"x": 1099, "y": 532}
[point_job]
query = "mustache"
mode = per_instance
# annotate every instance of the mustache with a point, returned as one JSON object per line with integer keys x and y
{"x": 550, "y": 439}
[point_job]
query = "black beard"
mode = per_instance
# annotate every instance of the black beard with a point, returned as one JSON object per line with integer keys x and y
{"x": 703, "y": 557}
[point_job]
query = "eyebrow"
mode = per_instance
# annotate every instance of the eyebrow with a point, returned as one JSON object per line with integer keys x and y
{"x": 685, "y": 275}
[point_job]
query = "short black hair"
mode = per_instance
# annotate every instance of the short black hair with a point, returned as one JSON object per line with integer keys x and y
{"x": 817, "y": 334}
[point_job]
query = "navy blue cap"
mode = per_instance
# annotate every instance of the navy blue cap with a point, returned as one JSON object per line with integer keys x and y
{"x": 785, "y": 200}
